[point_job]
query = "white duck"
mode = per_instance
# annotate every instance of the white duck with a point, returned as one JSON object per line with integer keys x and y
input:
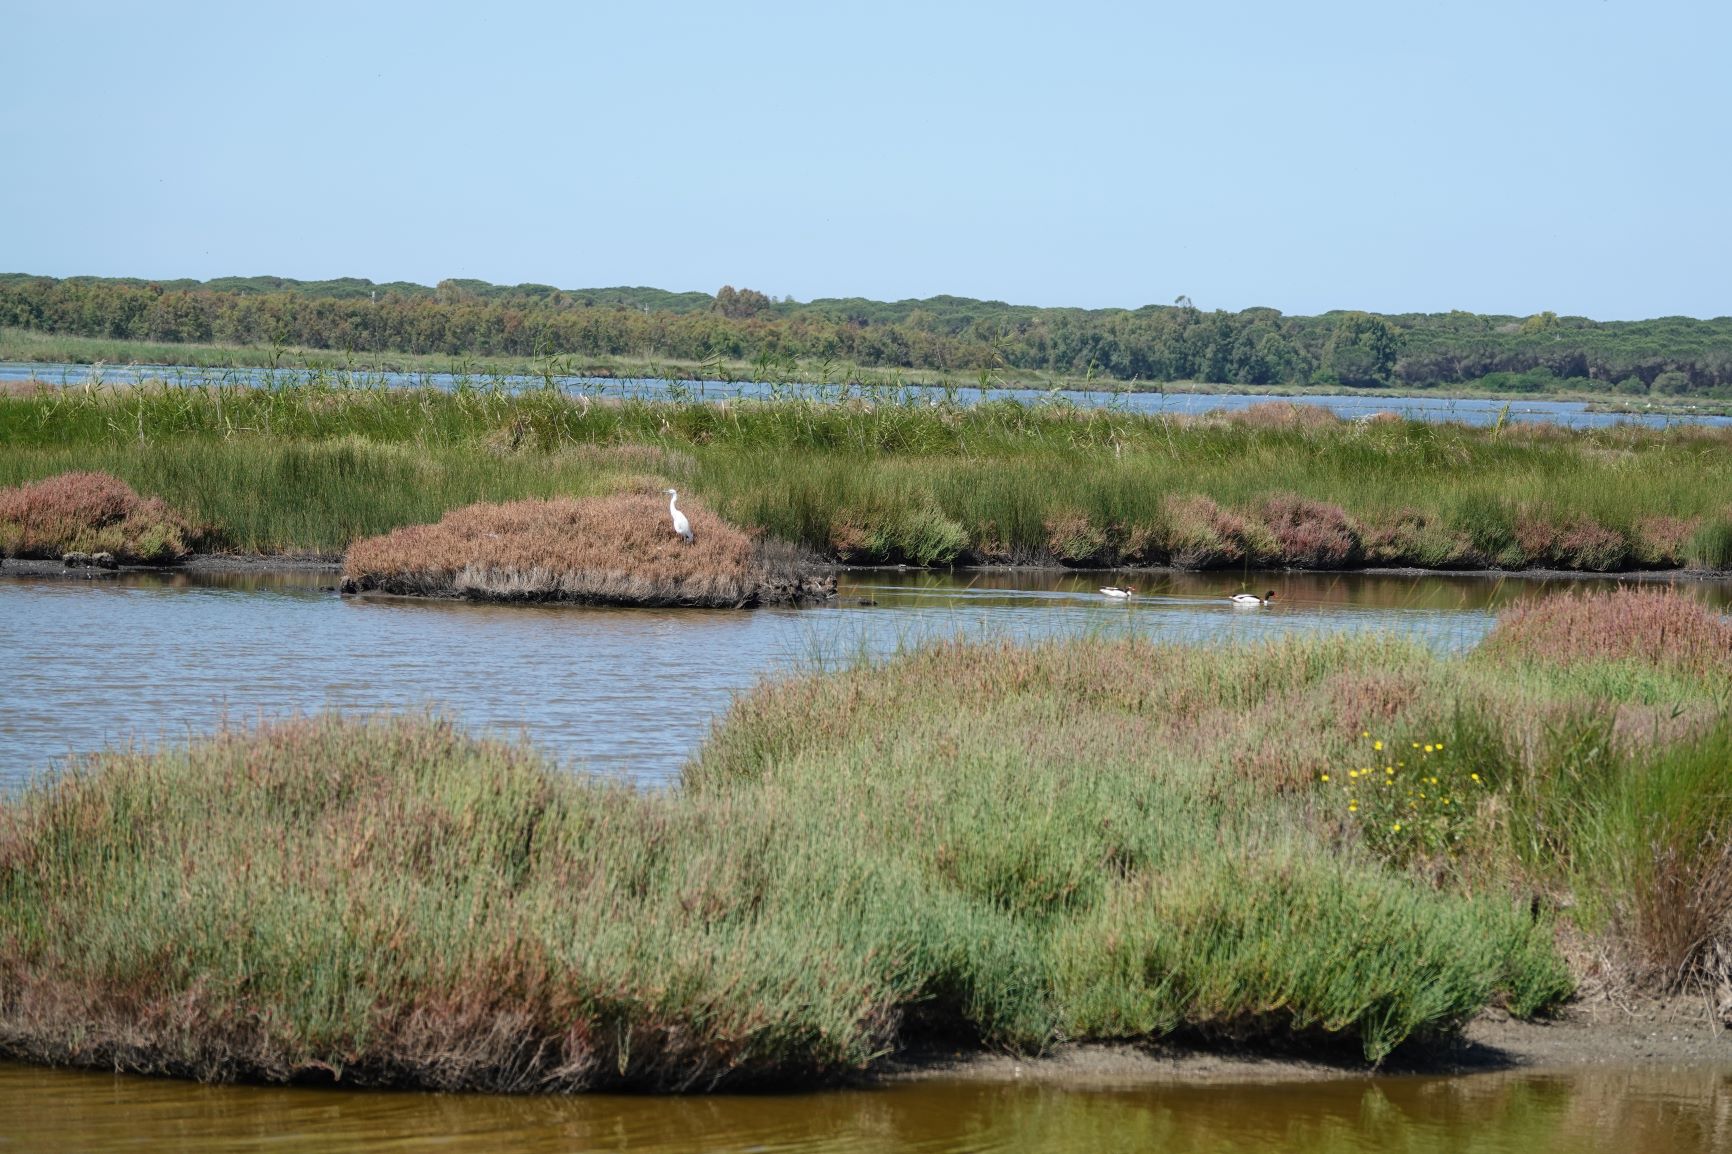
{"x": 1120, "y": 592}
{"x": 1253, "y": 599}
{"x": 681, "y": 526}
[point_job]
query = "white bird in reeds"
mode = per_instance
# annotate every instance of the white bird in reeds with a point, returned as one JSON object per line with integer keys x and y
{"x": 1121, "y": 592}
{"x": 1253, "y": 599}
{"x": 681, "y": 526}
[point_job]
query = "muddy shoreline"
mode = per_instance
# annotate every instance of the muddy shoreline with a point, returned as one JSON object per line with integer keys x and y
{"x": 198, "y": 563}
{"x": 1654, "y": 1034}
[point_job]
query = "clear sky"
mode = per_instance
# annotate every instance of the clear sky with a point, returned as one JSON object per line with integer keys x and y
{"x": 1395, "y": 155}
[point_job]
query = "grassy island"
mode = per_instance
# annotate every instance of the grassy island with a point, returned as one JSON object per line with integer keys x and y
{"x": 881, "y": 477}
{"x": 1318, "y": 843}
{"x": 618, "y": 550}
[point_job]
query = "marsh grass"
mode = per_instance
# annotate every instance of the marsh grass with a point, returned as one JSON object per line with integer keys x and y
{"x": 619, "y": 550}
{"x": 1007, "y": 845}
{"x": 878, "y": 476}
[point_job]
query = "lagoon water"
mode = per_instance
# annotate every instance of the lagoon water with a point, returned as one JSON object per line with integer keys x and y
{"x": 1572, "y": 414}
{"x": 158, "y": 657}
{"x": 153, "y": 657}
{"x": 1685, "y": 1110}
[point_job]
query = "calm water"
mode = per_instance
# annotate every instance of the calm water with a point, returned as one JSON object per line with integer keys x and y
{"x": 151, "y": 657}
{"x": 1659, "y": 1111}
{"x": 1470, "y": 412}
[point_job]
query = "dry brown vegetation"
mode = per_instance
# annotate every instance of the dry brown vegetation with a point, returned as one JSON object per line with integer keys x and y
{"x": 1284, "y": 415}
{"x": 1654, "y": 626}
{"x": 90, "y": 513}
{"x": 614, "y": 550}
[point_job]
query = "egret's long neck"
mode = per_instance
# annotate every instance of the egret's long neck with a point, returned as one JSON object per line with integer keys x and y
{"x": 672, "y": 497}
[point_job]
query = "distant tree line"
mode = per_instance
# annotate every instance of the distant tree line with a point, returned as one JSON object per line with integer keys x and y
{"x": 1177, "y": 342}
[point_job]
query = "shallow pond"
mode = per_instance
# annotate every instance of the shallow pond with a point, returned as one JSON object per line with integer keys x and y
{"x": 151, "y": 657}
{"x": 1648, "y": 1111}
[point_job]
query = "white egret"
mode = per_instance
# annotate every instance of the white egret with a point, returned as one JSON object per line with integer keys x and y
{"x": 1121, "y": 592}
{"x": 1253, "y": 599}
{"x": 681, "y": 526}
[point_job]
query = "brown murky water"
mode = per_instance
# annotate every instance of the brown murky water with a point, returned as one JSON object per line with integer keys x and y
{"x": 149, "y": 657}
{"x": 1657, "y": 1111}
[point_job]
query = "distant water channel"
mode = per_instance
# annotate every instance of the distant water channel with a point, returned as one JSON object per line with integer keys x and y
{"x": 1573, "y": 414}
{"x": 147, "y": 658}
{"x": 1628, "y": 1111}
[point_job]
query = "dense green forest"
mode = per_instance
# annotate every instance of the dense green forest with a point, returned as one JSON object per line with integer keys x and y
{"x": 1670, "y": 356}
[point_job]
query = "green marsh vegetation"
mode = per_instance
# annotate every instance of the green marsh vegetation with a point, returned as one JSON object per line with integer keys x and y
{"x": 888, "y": 476}
{"x": 987, "y": 844}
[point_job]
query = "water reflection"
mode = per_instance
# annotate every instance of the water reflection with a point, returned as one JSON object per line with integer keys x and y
{"x": 147, "y": 657}
{"x": 1675, "y": 1111}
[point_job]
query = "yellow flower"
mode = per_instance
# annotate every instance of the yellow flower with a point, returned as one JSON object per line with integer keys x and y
{"x": 1326, "y": 777}
{"x": 1396, "y": 827}
{"x": 1428, "y": 749}
{"x": 1433, "y": 780}
{"x": 1389, "y": 769}
{"x": 1440, "y": 747}
{"x": 1475, "y": 776}
{"x": 1365, "y": 733}
{"x": 1416, "y": 745}
{"x": 1377, "y": 745}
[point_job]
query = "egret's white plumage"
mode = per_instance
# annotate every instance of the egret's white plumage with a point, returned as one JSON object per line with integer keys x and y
{"x": 681, "y": 526}
{"x": 1253, "y": 599}
{"x": 1122, "y": 592}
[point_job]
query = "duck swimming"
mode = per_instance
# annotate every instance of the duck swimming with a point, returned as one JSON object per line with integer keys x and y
{"x": 1122, "y": 592}
{"x": 1253, "y": 599}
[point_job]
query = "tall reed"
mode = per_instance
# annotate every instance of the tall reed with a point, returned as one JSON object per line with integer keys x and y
{"x": 887, "y": 477}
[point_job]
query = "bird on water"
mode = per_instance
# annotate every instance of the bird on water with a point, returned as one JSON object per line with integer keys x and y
{"x": 1253, "y": 599}
{"x": 681, "y": 526}
{"x": 1121, "y": 592}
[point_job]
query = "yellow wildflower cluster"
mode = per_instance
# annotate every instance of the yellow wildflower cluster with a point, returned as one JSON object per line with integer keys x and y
{"x": 1408, "y": 798}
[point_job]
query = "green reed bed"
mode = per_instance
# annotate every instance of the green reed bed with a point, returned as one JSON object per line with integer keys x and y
{"x": 994, "y": 845}
{"x": 885, "y": 476}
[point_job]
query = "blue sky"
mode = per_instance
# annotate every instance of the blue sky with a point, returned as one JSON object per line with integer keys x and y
{"x": 1396, "y": 156}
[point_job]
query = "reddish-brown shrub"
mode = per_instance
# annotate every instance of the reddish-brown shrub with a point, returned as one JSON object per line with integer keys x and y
{"x": 1202, "y": 535}
{"x": 33, "y": 386}
{"x": 1659, "y": 626}
{"x": 1665, "y": 541}
{"x": 1284, "y": 415}
{"x": 1072, "y": 537}
{"x": 90, "y": 513}
{"x": 1587, "y": 544}
{"x": 1412, "y": 537}
{"x": 1536, "y": 536}
{"x": 618, "y": 550}
{"x": 1311, "y": 534}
